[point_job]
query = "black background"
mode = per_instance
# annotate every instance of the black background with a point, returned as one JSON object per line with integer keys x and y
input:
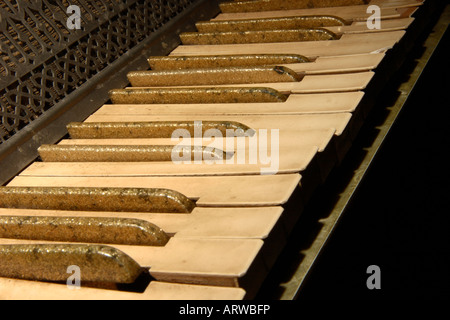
{"x": 400, "y": 217}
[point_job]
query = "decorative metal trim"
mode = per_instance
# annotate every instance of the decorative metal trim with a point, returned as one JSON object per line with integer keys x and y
{"x": 42, "y": 60}
{"x": 47, "y": 69}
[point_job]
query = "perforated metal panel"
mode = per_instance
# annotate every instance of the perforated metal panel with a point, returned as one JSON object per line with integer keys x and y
{"x": 52, "y": 74}
{"x": 42, "y": 60}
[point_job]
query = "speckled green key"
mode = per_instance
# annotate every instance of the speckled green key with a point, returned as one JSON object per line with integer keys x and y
{"x": 284, "y": 23}
{"x": 125, "y": 231}
{"x": 215, "y": 61}
{"x": 271, "y": 5}
{"x": 213, "y": 76}
{"x": 116, "y": 153}
{"x": 265, "y": 36}
{"x": 195, "y": 95}
{"x": 96, "y": 199}
{"x": 156, "y": 129}
{"x": 51, "y": 262}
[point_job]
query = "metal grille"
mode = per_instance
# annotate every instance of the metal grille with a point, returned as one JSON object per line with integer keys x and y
{"x": 42, "y": 61}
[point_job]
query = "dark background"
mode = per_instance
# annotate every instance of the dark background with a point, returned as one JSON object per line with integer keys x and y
{"x": 399, "y": 219}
